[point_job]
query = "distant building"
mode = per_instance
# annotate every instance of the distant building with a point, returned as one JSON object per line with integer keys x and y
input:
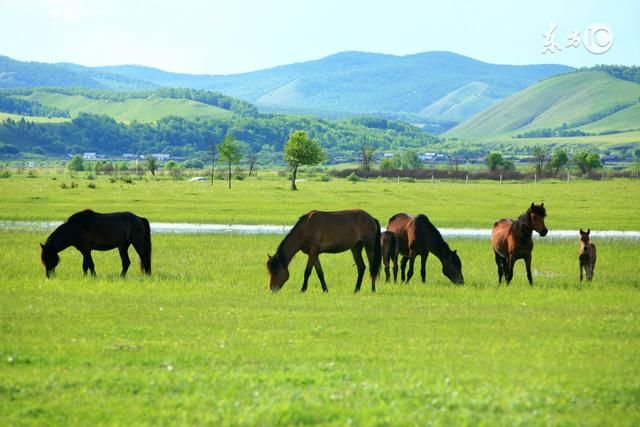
{"x": 90, "y": 156}
{"x": 161, "y": 157}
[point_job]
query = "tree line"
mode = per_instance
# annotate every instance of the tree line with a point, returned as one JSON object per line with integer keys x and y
{"x": 181, "y": 137}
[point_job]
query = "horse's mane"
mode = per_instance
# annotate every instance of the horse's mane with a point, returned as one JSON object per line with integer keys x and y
{"x": 538, "y": 210}
{"x": 278, "y": 257}
{"x": 397, "y": 215}
{"x": 80, "y": 215}
{"x": 424, "y": 220}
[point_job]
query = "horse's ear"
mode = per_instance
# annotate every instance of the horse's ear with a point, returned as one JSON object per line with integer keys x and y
{"x": 41, "y": 246}
{"x": 588, "y": 231}
{"x": 581, "y": 231}
{"x": 455, "y": 251}
{"x": 542, "y": 205}
{"x": 268, "y": 256}
{"x": 531, "y": 204}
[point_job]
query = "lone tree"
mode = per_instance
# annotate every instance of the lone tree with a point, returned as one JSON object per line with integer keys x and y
{"x": 559, "y": 159}
{"x": 229, "y": 151}
{"x": 301, "y": 150}
{"x": 152, "y": 164}
{"x": 76, "y": 164}
{"x": 495, "y": 161}
{"x": 587, "y": 161}
{"x": 366, "y": 155}
{"x": 540, "y": 155}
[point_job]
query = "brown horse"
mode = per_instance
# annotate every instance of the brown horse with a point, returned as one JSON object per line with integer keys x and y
{"x": 328, "y": 232}
{"x": 389, "y": 244}
{"x": 511, "y": 240}
{"x": 587, "y": 255}
{"x": 418, "y": 236}
{"x": 88, "y": 230}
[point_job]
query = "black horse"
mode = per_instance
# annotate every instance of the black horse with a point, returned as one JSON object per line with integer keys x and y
{"x": 88, "y": 230}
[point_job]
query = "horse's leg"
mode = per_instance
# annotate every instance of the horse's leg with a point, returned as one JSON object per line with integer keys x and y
{"x": 395, "y": 269}
{"x": 423, "y": 266}
{"x": 387, "y": 273}
{"x": 499, "y": 262}
{"x": 527, "y": 260}
{"x": 403, "y": 267}
{"x": 412, "y": 259}
{"x": 357, "y": 257}
{"x": 320, "y": 274}
{"x": 581, "y": 268}
{"x": 124, "y": 256}
{"x": 87, "y": 263}
{"x": 307, "y": 271}
{"x": 511, "y": 260}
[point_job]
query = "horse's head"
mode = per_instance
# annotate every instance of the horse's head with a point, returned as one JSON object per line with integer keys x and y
{"x": 452, "y": 268}
{"x": 584, "y": 235}
{"x": 49, "y": 258}
{"x": 536, "y": 216}
{"x": 278, "y": 272}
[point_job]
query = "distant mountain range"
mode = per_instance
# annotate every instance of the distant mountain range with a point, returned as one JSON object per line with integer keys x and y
{"x": 431, "y": 86}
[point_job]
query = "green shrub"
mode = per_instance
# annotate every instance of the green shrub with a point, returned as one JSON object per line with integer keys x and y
{"x": 353, "y": 177}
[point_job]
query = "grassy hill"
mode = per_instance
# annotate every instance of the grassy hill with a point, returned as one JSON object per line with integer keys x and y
{"x": 148, "y": 109}
{"x": 430, "y": 86}
{"x": 588, "y": 101}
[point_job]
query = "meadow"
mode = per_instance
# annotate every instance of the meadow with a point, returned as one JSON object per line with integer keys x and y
{"x": 608, "y": 205}
{"x": 202, "y": 341}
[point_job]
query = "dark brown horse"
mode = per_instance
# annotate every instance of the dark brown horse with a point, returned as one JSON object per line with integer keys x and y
{"x": 418, "y": 236}
{"x": 587, "y": 255}
{"x": 328, "y": 232}
{"x": 511, "y": 240}
{"x": 88, "y": 230}
{"x": 389, "y": 244}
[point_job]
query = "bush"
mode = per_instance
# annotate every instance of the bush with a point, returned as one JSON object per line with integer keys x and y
{"x": 92, "y": 185}
{"x": 5, "y": 174}
{"x": 354, "y": 177}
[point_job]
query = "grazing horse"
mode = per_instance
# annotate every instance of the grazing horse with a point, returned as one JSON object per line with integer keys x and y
{"x": 389, "y": 244}
{"x": 587, "y": 255}
{"x": 511, "y": 240}
{"x": 328, "y": 232}
{"x": 418, "y": 236}
{"x": 88, "y": 230}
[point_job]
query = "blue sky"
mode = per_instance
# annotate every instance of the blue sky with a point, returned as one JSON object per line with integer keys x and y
{"x": 231, "y": 36}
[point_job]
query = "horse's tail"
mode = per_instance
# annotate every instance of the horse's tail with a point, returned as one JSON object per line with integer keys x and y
{"x": 145, "y": 259}
{"x": 377, "y": 253}
{"x": 394, "y": 245}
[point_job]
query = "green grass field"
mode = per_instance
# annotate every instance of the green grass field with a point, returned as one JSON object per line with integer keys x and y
{"x": 143, "y": 110}
{"x": 202, "y": 341}
{"x": 607, "y": 205}
{"x": 34, "y": 119}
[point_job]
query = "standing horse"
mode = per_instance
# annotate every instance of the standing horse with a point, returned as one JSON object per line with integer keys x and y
{"x": 389, "y": 244}
{"x": 88, "y": 230}
{"x": 328, "y": 232}
{"x": 587, "y": 255}
{"x": 418, "y": 236}
{"x": 511, "y": 240}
